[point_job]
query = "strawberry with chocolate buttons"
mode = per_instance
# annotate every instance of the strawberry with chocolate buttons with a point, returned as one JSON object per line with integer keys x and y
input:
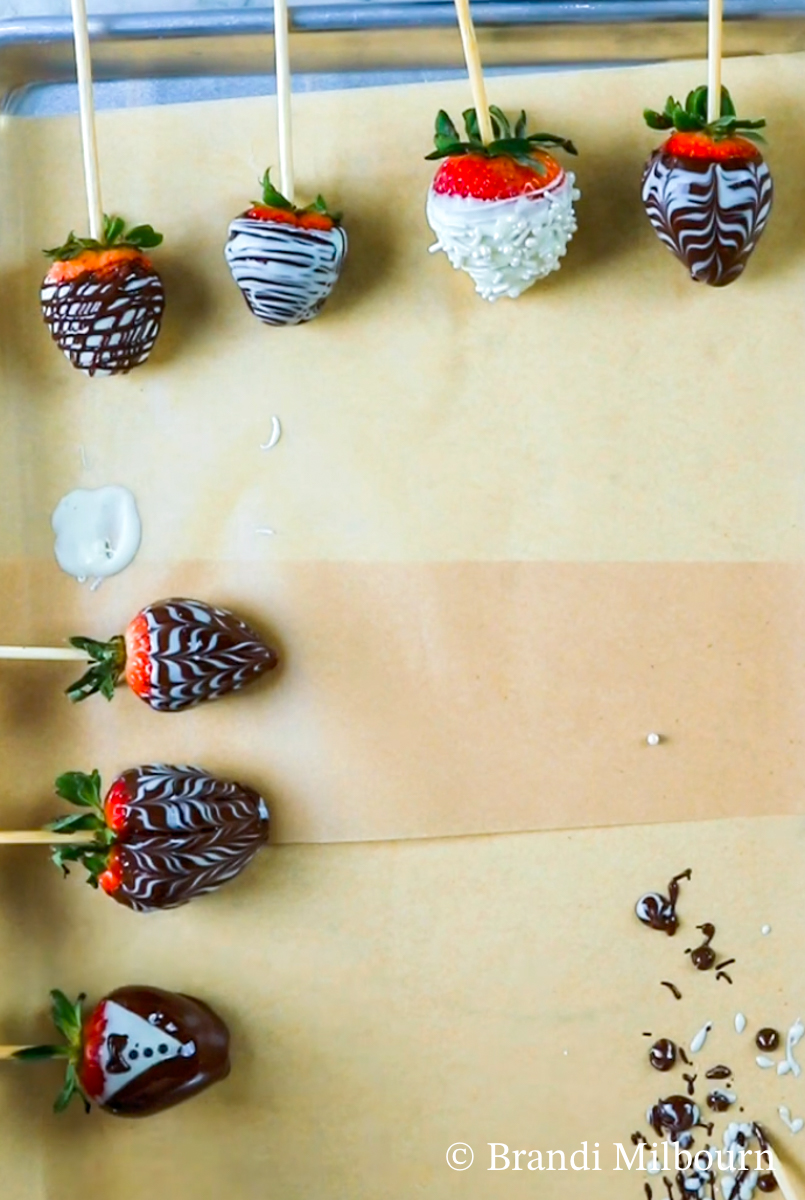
{"x": 162, "y": 834}
{"x": 139, "y": 1051}
{"x": 102, "y": 300}
{"x": 174, "y": 654}
{"x": 502, "y": 211}
{"x": 707, "y": 191}
{"x": 285, "y": 260}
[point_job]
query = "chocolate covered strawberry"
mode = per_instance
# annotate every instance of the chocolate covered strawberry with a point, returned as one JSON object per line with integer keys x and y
{"x": 503, "y": 211}
{"x": 286, "y": 260}
{"x": 707, "y": 191}
{"x": 102, "y": 300}
{"x": 163, "y": 835}
{"x": 139, "y": 1051}
{"x": 174, "y": 654}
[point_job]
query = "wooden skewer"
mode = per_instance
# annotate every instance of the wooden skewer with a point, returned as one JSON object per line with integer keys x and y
{"x": 472, "y": 56}
{"x": 10, "y": 1051}
{"x": 783, "y": 1178}
{"x": 45, "y": 837}
{"x": 282, "y": 67}
{"x": 44, "y": 653}
{"x": 86, "y": 104}
{"x": 715, "y": 22}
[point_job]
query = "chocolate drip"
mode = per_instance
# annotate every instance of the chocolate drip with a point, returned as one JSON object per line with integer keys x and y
{"x": 767, "y": 1039}
{"x": 704, "y": 956}
{"x": 672, "y": 988}
{"x": 690, "y": 1080}
{"x": 718, "y": 1072}
{"x": 673, "y": 1116}
{"x": 658, "y": 911}
{"x": 106, "y": 322}
{"x": 662, "y": 1054}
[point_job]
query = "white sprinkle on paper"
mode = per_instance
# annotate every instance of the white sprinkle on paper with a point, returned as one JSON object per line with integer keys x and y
{"x": 700, "y": 1038}
{"x": 740, "y": 1022}
{"x": 83, "y": 456}
{"x": 793, "y": 1038}
{"x": 276, "y": 434}
{"x": 763, "y": 1061}
{"x": 653, "y": 739}
{"x": 268, "y": 532}
{"x": 793, "y": 1123}
{"x": 765, "y": 930}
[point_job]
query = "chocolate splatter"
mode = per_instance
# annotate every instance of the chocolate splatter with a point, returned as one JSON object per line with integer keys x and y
{"x": 718, "y": 1101}
{"x": 671, "y": 988}
{"x": 658, "y": 911}
{"x": 767, "y": 1039}
{"x": 704, "y": 956}
{"x": 718, "y": 1072}
{"x": 673, "y": 1116}
{"x": 690, "y": 1080}
{"x": 662, "y": 1055}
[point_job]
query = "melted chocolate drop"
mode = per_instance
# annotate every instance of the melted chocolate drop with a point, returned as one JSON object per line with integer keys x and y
{"x": 662, "y": 1055}
{"x": 704, "y": 956}
{"x": 767, "y": 1039}
{"x": 718, "y": 1072}
{"x": 658, "y": 911}
{"x": 766, "y": 1182}
{"x": 718, "y": 1101}
{"x": 673, "y": 1116}
{"x": 648, "y": 1191}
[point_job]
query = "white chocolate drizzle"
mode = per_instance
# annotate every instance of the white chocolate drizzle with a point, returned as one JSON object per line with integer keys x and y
{"x": 793, "y": 1038}
{"x": 274, "y": 436}
{"x": 740, "y": 1022}
{"x": 795, "y": 1124}
{"x": 700, "y": 1038}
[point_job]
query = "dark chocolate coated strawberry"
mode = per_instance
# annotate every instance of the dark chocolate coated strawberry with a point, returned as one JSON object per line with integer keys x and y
{"x": 164, "y": 835}
{"x": 174, "y": 654}
{"x": 141, "y": 1050}
{"x": 102, "y": 299}
{"x": 707, "y": 191}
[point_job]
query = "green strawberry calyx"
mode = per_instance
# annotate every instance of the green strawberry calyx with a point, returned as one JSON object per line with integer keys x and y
{"x": 692, "y": 117}
{"x": 107, "y": 662}
{"x": 115, "y": 236}
{"x": 69, "y": 1021}
{"x": 510, "y": 141}
{"x": 84, "y": 791}
{"x": 273, "y": 198}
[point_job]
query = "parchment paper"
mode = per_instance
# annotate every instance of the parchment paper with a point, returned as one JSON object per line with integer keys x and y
{"x": 510, "y": 542}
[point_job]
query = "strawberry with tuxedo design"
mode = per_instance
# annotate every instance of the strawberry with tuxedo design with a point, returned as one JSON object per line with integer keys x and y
{"x": 139, "y": 1051}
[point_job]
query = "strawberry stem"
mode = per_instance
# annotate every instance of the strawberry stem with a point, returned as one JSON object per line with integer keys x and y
{"x": 692, "y": 117}
{"x": 509, "y": 141}
{"x": 85, "y": 792}
{"x": 108, "y": 661}
{"x": 115, "y": 235}
{"x": 273, "y": 198}
{"x": 68, "y": 1018}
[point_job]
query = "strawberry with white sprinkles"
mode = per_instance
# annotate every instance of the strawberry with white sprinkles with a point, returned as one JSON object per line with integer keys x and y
{"x": 501, "y": 210}
{"x": 102, "y": 299}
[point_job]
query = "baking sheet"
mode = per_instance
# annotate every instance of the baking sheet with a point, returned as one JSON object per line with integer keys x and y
{"x": 510, "y": 541}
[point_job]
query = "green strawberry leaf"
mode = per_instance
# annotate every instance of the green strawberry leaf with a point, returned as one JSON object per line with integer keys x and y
{"x": 471, "y": 125}
{"x": 73, "y": 822}
{"x": 656, "y": 120}
{"x": 520, "y": 127}
{"x": 80, "y": 789}
{"x": 727, "y": 106}
{"x": 114, "y": 234}
{"x": 692, "y": 116}
{"x": 272, "y": 197}
{"x": 500, "y": 122}
{"x": 445, "y": 128}
{"x": 144, "y": 237}
{"x": 67, "y": 1016}
{"x": 68, "y": 1091}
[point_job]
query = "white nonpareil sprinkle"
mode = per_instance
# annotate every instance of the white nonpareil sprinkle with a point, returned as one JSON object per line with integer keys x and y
{"x": 765, "y": 930}
{"x": 793, "y": 1123}
{"x": 764, "y": 1062}
{"x": 653, "y": 739}
{"x": 275, "y": 435}
{"x": 740, "y": 1022}
{"x": 267, "y": 531}
{"x": 700, "y": 1038}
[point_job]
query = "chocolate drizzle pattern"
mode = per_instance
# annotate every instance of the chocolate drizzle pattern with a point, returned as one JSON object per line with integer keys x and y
{"x": 658, "y": 911}
{"x": 710, "y": 215}
{"x": 106, "y": 324}
{"x": 285, "y": 272}
{"x": 200, "y": 653}
{"x": 184, "y": 833}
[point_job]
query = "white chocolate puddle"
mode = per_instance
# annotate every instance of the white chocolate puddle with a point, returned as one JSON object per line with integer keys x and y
{"x": 97, "y": 531}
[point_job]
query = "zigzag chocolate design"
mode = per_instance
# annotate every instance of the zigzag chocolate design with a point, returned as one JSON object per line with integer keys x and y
{"x": 200, "y": 653}
{"x": 711, "y": 215}
{"x": 185, "y": 833}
